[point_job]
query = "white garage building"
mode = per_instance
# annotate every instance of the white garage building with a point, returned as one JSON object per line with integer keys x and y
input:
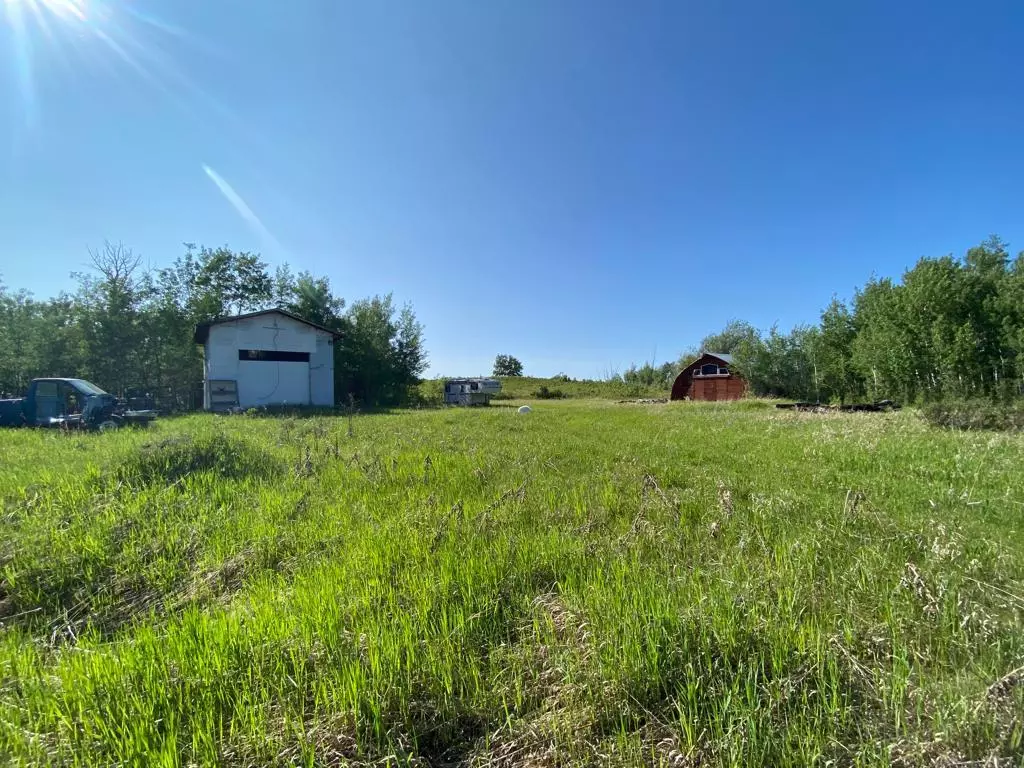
{"x": 266, "y": 358}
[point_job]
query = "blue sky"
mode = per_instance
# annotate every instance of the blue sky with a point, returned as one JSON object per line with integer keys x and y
{"x": 582, "y": 184}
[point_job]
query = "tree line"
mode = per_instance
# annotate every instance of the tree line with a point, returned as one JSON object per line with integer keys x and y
{"x": 129, "y": 328}
{"x": 951, "y": 328}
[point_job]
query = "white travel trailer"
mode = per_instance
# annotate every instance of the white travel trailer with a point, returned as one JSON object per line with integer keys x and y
{"x": 470, "y": 391}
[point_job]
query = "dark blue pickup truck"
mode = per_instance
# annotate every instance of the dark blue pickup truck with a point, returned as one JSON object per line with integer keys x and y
{"x": 68, "y": 403}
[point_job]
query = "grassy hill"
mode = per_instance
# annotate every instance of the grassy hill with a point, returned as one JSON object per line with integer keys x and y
{"x": 680, "y": 585}
{"x": 528, "y": 387}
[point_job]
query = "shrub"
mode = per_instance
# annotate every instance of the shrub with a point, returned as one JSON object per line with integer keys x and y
{"x": 543, "y": 393}
{"x": 974, "y": 414}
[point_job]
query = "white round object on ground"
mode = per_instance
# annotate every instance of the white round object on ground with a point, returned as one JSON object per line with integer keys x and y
{"x": 524, "y": 409}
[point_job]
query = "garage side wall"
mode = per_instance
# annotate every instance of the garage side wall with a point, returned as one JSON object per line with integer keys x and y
{"x": 321, "y": 370}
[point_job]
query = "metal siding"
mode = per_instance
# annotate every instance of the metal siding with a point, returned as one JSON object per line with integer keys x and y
{"x": 202, "y": 330}
{"x": 321, "y": 370}
{"x": 261, "y": 382}
{"x": 206, "y": 375}
{"x": 273, "y": 331}
{"x": 222, "y": 353}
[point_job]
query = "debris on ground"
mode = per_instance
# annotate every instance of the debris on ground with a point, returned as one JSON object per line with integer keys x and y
{"x": 876, "y": 407}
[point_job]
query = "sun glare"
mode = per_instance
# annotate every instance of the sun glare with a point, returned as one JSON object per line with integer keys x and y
{"x": 90, "y": 31}
{"x": 62, "y": 9}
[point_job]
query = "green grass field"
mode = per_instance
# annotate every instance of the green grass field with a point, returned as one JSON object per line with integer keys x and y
{"x": 591, "y": 584}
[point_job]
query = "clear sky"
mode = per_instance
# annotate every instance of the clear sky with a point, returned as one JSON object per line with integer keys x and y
{"x": 579, "y": 183}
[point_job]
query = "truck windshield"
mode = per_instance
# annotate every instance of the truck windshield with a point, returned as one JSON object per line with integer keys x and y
{"x": 88, "y": 388}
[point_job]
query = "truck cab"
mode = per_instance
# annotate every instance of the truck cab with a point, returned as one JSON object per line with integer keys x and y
{"x": 73, "y": 403}
{"x": 50, "y": 400}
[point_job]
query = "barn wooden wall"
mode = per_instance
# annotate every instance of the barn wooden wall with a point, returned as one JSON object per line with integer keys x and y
{"x": 717, "y": 388}
{"x": 686, "y": 385}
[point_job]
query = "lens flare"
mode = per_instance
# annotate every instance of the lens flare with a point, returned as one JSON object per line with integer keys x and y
{"x": 120, "y": 38}
{"x": 60, "y": 8}
{"x": 241, "y": 207}
{"x": 96, "y": 31}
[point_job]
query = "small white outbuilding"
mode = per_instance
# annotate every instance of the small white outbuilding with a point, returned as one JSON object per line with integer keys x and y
{"x": 266, "y": 358}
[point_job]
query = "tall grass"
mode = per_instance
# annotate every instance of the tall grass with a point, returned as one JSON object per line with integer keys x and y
{"x": 683, "y": 584}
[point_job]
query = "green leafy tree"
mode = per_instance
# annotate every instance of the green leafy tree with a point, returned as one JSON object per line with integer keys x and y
{"x": 409, "y": 349}
{"x": 779, "y": 364}
{"x": 380, "y": 354}
{"x": 24, "y": 332}
{"x": 833, "y": 353}
{"x": 109, "y": 303}
{"x": 507, "y": 365}
{"x": 311, "y": 299}
{"x": 211, "y": 283}
{"x": 883, "y": 350}
{"x": 283, "y": 286}
{"x": 735, "y": 334}
{"x": 1010, "y": 311}
{"x": 650, "y": 375}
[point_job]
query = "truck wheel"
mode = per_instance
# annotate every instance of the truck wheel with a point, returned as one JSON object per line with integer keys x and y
{"x": 109, "y": 425}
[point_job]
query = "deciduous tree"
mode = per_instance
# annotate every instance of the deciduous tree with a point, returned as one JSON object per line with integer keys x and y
{"x": 506, "y": 365}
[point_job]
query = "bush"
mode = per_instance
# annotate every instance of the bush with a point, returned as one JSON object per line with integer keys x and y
{"x": 548, "y": 394}
{"x": 428, "y": 392}
{"x": 974, "y": 414}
